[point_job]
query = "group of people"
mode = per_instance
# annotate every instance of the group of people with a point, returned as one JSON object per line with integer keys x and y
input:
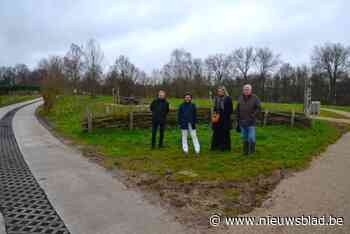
{"x": 246, "y": 111}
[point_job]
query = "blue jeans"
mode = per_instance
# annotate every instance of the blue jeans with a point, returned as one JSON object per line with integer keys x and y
{"x": 249, "y": 134}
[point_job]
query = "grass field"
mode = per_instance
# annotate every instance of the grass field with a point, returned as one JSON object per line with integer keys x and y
{"x": 11, "y": 99}
{"x": 278, "y": 146}
{"x": 187, "y": 181}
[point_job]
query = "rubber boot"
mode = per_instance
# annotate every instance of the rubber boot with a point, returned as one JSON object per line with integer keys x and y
{"x": 245, "y": 148}
{"x": 252, "y": 148}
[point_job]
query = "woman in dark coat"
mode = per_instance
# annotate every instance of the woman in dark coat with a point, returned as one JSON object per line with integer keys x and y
{"x": 221, "y": 139}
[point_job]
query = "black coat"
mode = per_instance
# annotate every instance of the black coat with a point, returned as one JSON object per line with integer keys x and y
{"x": 187, "y": 114}
{"x": 160, "y": 110}
{"x": 225, "y": 121}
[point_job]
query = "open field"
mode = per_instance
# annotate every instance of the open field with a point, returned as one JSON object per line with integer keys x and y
{"x": 11, "y": 99}
{"x": 181, "y": 180}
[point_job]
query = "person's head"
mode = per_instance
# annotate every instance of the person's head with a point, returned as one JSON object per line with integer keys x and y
{"x": 188, "y": 97}
{"x": 161, "y": 94}
{"x": 221, "y": 91}
{"x": 247, "y": 89}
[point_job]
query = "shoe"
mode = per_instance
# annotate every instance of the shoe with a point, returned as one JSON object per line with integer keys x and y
{"x": 186, "y": 154}
{"x": 198, "y": 154}
{"x": 252, "y": 148}
{"x": 246, "y": 148}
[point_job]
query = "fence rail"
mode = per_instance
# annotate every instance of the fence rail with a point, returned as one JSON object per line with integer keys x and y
{"x": 143, "y": 119}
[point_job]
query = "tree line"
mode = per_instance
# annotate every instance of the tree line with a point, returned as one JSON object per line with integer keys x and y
{"x": 81, "y": 71}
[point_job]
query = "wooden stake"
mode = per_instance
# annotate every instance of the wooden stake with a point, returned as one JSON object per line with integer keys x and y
{"x": 292, "y": 118}
{"x": 131, "y": 120}
{"x": 265, "y": 117}
{"x": 89, "y": 119}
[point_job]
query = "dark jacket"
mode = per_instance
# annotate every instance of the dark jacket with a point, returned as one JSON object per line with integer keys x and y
{"x": 247, "y": 109}
{"x": 187, "y": 113}
{"x": 225, "y": 121}
{"x": 160, "y": 110}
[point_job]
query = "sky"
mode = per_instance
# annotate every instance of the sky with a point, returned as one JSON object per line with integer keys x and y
{"x": 148, "y": 31}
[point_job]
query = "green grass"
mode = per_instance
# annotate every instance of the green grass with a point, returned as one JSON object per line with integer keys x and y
{"x": 278, "y": 146}
{"x": 6, "y": 100}
{"x": 341, "y": 108}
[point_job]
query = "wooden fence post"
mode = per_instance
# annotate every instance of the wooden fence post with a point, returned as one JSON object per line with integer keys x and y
{"x": 89, "y": 119}
{"x": 292, "y": 118}
{"x": 266, "y": 115}
{"x": 131, "y": 120}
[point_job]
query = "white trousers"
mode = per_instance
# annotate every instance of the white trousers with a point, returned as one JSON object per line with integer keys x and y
{"x": 193, "y": 134}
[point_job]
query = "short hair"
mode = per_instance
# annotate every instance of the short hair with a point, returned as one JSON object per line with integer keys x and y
{"x": 161, "y": 91}
{"x": 248, "y": 86}
{"x": 188, "y": 94}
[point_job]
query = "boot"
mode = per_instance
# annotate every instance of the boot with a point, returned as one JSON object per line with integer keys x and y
{"x": 245, "y": 148}
{"x": 252, "y": 147}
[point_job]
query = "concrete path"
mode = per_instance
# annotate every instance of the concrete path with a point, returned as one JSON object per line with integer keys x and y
{"x": 322, "y": 189}
{"x": 88, "y": 199}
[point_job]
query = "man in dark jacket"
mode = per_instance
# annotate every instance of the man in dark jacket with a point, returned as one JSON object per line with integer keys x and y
{"x": 247, "y": 108}
{"x": 221, "y": 139}
{"x": 160, "y": 109}
{"x": 187, "y": 119}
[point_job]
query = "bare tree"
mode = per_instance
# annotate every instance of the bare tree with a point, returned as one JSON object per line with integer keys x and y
{"x": 53, "y": 80}
{"x": 266, "y": 62}
{"x": 333, "y": 59}
{"x": 123, "y": 74}
{"x": 73, "y": 64}
{"x": 179, "y": 70}
{"x": 243, "y": 60}
{"x": 219, "y": 67}
{"x": 93, "y": 57}
{"x": 179, "y": 66}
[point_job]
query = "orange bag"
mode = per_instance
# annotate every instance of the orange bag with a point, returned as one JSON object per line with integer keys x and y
{"x": 215, "y": 118}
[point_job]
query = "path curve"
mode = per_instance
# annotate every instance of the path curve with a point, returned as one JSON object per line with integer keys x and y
{"x": 88, "y": 199}
{"x": 322, "y": 189}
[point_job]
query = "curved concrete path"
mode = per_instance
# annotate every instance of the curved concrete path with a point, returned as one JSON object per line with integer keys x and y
{"x": 322, "y": 189}
{"x": 88, "y": 199}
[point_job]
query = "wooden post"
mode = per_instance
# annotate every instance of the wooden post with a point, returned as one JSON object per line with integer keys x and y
{"x": 292, "y": 118}
{"x": 89, "y": 119}
{"x": 211, "y": 108}
{"x": 266, "y": 115}
{"x": 118, "y": 96}
{"x": 113, "y": 94}
{"x": 131, "y": 120}
{"x": 108, "y": 109}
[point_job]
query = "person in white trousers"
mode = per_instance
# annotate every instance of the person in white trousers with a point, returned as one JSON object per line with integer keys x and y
{"x": 187, "y": 119}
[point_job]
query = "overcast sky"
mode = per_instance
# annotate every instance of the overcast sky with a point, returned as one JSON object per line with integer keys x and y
{"x": 147, "y": 31}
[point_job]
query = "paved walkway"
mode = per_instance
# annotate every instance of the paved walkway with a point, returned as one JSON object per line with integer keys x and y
{"x": 87, "y": 198}
{"x": 322, "y": 189}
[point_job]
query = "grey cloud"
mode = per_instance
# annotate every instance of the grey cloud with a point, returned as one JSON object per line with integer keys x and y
{"x": 146, "y": 31}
